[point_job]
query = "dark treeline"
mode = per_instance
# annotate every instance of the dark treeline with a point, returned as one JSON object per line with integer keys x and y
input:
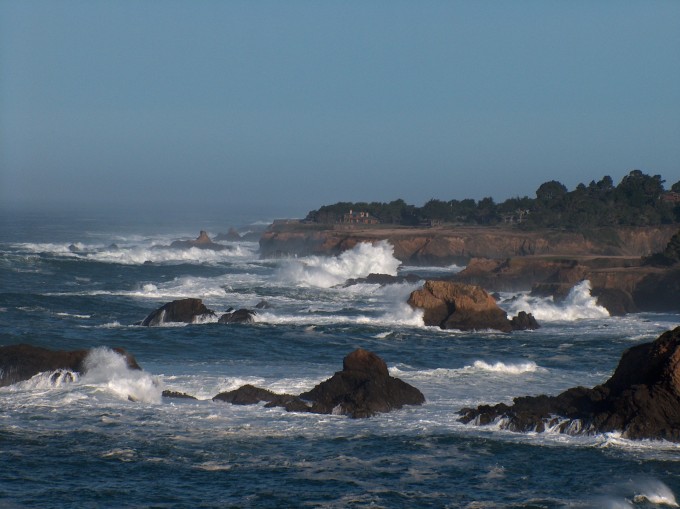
{"x": 638, "y": 200}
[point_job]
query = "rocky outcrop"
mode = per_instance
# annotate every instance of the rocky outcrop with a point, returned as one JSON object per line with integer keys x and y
{"x": 383, "y": 279}
{"x": 203, "y": 241}
{"x": 231, "y": 236}
{"x": 179, "y": 311}
{"x": 641, "y": 399}
{"x": 238, "y": 316}
{"x": 452, "y": 305}
{"x": 22, "y": 362}
{"x": 446, "y": 245}
{"x": 363, "y": 388}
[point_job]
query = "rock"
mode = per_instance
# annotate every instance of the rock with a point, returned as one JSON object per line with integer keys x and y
{"x": 232, "y": 236}
{"x": 362, "y": 389}
{"x": 382, "y": 279}
{"x": 641, "y": 399}
{"x": 659, "y": 291}
{"x": 452, "y": 305}
{"x": 615, "y": 300}
{"x": 203, "y": 241}
{"x": 238, "y": 316}
{"x": 177, "y": 395}
{"x": 251, "y": 395}
{"x": 182, "y": 310}
{"x": 21, "y": 362}
{"x": 524, "y": 321}
{"x": 263, "y": 304}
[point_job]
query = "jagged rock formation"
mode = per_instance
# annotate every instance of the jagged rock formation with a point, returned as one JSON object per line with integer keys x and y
{"x": 451, "y": 305}
{"x": 182, "y": 310}
{"x": 640, "y": 400}
{"x": 362, "y": 389}
{"x": 203, "y": 241}
{"x": 22, "y": 362}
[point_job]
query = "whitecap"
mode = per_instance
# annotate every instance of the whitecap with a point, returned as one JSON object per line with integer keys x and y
{"x": 578, "y": 304}
{"x": 358, "y": 262}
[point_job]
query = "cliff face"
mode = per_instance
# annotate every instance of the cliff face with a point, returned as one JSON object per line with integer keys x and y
{"x": 446, "y": 245}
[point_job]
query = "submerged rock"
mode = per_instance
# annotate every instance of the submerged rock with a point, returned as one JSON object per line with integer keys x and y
{"x": 641, "y": 399}
{"x": 182, "y": 310}
{"x": 362, "y": 389}
{"x": 22, "y": 362}
{"x": 452, "y": 305}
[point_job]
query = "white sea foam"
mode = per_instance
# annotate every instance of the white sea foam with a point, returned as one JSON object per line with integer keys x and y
{"x": 325, "y": 272}
{"x": 655, "y": 492}
{"x": 108, "y": 370}
{"x": 579, "y": 304}
{"x": 509, "y": 368}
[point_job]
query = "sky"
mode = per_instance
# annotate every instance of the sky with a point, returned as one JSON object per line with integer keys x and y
{"x": 277, "y": 107}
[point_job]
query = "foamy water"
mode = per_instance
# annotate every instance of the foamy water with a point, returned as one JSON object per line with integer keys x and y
{"x": 107, "y": 437}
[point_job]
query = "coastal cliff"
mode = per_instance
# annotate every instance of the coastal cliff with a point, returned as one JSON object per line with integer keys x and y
{"x": 445, "y": 245}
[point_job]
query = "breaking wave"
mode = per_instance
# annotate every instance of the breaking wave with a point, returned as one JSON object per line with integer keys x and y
{"x": 578, "y": 305}
{"x": 325, "y": 272}
{"x": 108, "y": 370}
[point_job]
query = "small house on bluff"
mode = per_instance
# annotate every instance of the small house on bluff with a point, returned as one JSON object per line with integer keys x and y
{"x": 359, "y": 218}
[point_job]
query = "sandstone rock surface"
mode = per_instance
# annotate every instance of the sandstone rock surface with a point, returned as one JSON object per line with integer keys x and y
{"x": 452, "y": 305}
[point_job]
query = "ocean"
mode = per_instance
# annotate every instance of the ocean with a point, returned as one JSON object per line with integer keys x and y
{"x": 109, "y": 439}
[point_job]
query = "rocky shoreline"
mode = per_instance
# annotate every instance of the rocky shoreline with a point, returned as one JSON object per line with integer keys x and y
{"x": 444, "y": 245}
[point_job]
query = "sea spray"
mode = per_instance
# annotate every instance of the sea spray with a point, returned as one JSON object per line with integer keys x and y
{"x": 325, "y": 272}
{"x": 108, "y": 370}
{"x": 578, "y": 304}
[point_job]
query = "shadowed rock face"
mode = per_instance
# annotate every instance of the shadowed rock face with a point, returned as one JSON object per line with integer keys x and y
{"x": 362, "y": 389}
{"x": 640, "y": 400}
{"x": 183, "y": 310}
{"x": 22, "y": 362}
{"x": 238, "y": 316}
{"x": 452, "y": 305}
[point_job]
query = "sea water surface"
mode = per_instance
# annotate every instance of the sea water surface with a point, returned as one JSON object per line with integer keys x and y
{"x": 109, "y": 439}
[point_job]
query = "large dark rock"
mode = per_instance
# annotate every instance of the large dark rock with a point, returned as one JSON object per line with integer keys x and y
{"x": 641, "y": 399}
{"x": 21, "y": 362}
{"x": 362, "y": 389}
{"x": 182, "y": 310}
{"x": 452, "y": 305}
{"x": 524, "y": 321}
{"x": 203, "y": 241}
{"x": 238, "y": 316}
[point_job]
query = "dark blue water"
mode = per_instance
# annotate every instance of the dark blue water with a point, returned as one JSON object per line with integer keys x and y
{"x": 86, "y": 444}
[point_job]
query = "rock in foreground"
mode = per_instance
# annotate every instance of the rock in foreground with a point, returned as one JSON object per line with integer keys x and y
{"x": 22, "y": 362}
{"x": 452, "y": 305}
{"x": 641, "y": 399}
{"x": 362, "y": 389}
{"x": 182, "y": 310}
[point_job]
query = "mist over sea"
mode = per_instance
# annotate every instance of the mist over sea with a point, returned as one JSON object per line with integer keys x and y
{"x": 109, "y": 439}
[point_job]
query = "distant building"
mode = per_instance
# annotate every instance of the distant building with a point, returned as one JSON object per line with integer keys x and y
{"x": 359, "y": 218}
{"x": 670, "y": 197}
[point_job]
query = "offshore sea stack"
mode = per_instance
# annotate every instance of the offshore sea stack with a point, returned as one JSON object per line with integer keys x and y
{"x": 641, "y": 399}
{"x": 452, "y": 305}
{"x": 22, "y": 362}
{"x": 203, "y": 241}
{"x": 362, "y": 389}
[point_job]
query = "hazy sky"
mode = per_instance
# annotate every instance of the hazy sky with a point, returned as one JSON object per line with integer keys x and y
{"x": 282, "y": 106}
